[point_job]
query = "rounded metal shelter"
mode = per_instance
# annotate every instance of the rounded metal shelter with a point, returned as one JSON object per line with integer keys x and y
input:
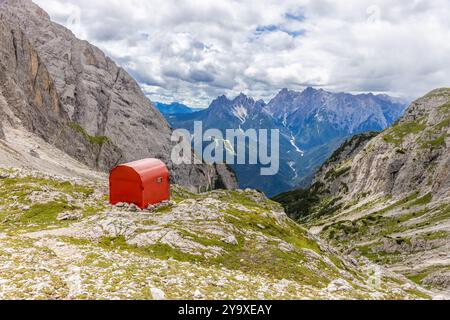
{"x": 142, "y": 182}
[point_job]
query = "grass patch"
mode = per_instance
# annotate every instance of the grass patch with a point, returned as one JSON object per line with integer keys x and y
{"x": 439, "y": 93}
{"x": 95, "y": 140}
{"x": 45, "y": 213}
{"x": 426, "y": 199}
{"x": 443, "y": 124}
{"x": 375, "y": 224}
{"x": 334, "y": 174}
{"x": 396, "y": 134}
{"x": 245, "y": 257}
{"x": 302, "y": 204}
{"x": 19, "y": 210}
{"x": 355, "y": 142}
{"x": 293, "y": 234}
{"x": 445, "y": 108}
{"x": 420, "y": 276}
{"x": 437, "y": 143}
{"x": 298, "y": 204}
{"x": 439, "y": 235}
{"x": 36, "y": 184}
{"x": 160, "y": 251}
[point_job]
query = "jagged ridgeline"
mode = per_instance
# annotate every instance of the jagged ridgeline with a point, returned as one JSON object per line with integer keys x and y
{"x": 387, "y": 196}
{"x": 68, "y": 93}
{"x": 312, "y": 124}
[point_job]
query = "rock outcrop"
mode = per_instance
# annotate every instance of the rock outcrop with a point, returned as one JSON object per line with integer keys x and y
{"x": 68, "y": 92}
{"x": 29, "y": 99}
{"x": 410, "y": 156}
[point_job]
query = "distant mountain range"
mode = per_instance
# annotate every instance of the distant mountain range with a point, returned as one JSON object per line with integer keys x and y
{"x": 174, "y": 108}
{"x": 312, "y": 124}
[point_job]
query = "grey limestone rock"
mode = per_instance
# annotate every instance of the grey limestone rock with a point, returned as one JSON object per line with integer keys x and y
{"x": 71, "y": 94}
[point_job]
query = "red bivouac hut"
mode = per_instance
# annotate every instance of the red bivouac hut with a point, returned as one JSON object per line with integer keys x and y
{"x": 142, "y": 182}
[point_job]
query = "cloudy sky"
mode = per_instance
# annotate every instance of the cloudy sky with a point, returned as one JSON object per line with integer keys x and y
{"x": 194, "y": 50}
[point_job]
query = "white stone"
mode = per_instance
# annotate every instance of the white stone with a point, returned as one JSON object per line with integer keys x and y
{"x": 69, "y": 216}
{"x": 231, "y": 240}
{"x": 121, "y": 205}
{"x": 157, "y": 294}
{"x": 24, "y": 208}
{"x": 198, "y": 295}
{"x": 339, "y": 285}
{"x": 133, "y": 208}
{"x": 240, "y": 278}
{"x": 407, "y": 286}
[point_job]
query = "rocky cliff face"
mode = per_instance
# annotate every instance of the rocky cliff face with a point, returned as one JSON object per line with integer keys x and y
{"x": 29, "y": 100}
{"x": 410, "y": 156}
{"x": 388, "y": 197}
{"x": 77, "y": 97}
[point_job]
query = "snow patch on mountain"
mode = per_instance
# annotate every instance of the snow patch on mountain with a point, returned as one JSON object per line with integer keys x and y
{"x": 284, "y": 122}
{"x": 241, "y": 113}
{"x": 292, "y": 166}
{"x": 294, "y": 144}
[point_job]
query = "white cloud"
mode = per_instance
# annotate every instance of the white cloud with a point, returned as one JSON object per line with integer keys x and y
{"x": 192, "y": 51}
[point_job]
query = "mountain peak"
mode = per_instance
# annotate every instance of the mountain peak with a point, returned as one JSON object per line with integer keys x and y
{"x": 242, "y": 98}
{"x": 26, "y": 5}
{"x": 310, "y": 90}
{"x": 220, "y": 102}
{"x": 221, "y": 99}
{"x": 285, "y": 92}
